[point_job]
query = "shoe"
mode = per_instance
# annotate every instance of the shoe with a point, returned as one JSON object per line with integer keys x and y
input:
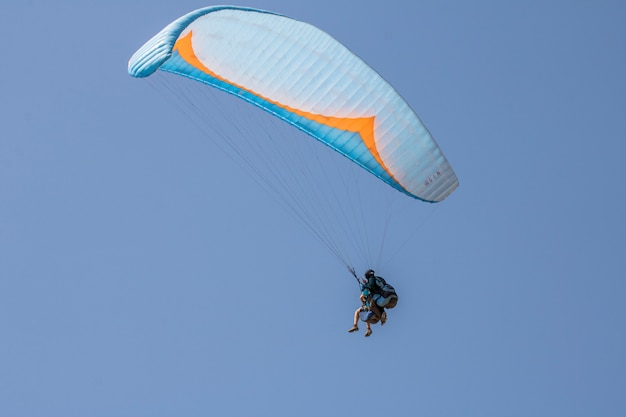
{"x": 353, "y": 329}
{"x": 383, "y": 318}
{"x": 368, "y": 332}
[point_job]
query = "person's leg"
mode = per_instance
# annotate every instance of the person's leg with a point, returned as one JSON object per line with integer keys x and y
{"x": 374, "y": 308}
{"x": 355, "y": 326}
{"x": 383, "y": 317}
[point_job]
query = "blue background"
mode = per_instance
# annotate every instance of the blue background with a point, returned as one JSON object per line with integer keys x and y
{"x": 135, "y": 258}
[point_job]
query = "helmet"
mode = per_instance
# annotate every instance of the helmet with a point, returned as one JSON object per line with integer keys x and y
{"x": 369, "y": 273}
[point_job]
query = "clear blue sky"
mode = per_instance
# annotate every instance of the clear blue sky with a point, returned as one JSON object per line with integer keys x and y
{"x": 135, "y": 259}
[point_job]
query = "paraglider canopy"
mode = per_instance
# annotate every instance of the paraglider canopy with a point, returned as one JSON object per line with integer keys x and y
{"x": 305, "y": 77}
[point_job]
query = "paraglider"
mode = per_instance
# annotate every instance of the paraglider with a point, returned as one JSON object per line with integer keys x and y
{"x": 305, "y": 77}
{"x": 376, "y": 296}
